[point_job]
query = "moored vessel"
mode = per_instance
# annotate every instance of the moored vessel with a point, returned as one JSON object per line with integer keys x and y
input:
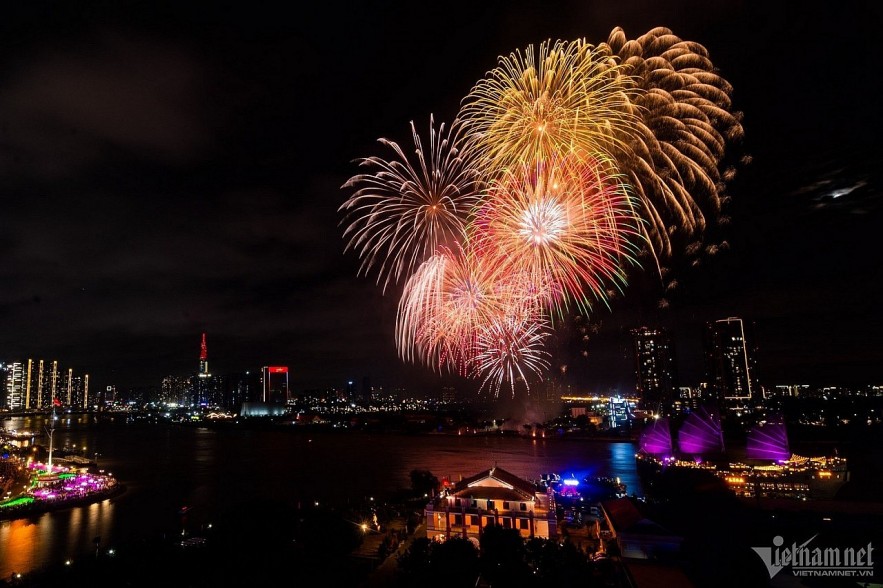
{"x": 769, "y": 470}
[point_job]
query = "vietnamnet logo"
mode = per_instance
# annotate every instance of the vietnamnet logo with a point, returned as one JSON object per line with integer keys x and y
{"x": 806, "y": 560}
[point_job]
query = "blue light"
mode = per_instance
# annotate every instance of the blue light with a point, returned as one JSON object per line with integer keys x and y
{"x": 571, "y": 482}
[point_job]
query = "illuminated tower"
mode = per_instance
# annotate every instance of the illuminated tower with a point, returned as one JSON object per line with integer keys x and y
{"x": 730, "y": 361}
{"x": 203, "y": 357}
{"x": 203, "y": 384}
{"x": 655, "y": 369}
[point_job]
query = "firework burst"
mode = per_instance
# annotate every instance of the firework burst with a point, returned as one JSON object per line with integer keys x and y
{"x": 406, "y": 207}
{"x": 447, "y": 301}
{"x": 686, "y": 122}
{"x": 510, "y": 349}
{"x": 566, "y": 97}
{"x": 567, "y": 162}
{"x": 566, "y": 226}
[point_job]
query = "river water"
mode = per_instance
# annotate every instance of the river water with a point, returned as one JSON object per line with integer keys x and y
{"x": 164, "y": 467}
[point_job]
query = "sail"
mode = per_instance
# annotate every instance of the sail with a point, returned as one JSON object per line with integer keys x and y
{"x": 656, "y": 439}
{"x": 768, "y": 441}
{"x": 700, "y": 434}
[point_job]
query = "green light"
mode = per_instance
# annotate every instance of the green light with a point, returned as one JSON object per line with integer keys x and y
{"x": 17, "y": 501}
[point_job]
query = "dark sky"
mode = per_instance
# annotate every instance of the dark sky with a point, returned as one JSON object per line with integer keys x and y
{"x": 174, "y": 168}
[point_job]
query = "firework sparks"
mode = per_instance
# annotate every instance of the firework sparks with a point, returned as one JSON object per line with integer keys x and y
{"x": 403, "y": 210}
{"x": 566, "y": 163}
{"x": 565, "y": 225}
{"x": 568, "y": 97}
{"x": 509, "y": 350}
{"x": 686, "y": 121}
{"x": 445, "y": 304}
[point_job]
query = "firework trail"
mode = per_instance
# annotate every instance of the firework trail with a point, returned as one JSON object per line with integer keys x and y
{"x": 673, "y": 156}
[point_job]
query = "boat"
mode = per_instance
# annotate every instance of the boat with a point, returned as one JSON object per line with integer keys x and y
{"x": 592, "y": 488}
{"x": 770, "y": 469}
{"x": 17, "y": 435}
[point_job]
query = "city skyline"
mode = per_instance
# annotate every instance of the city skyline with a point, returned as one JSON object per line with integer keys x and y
{"x": 650, "y": 378}
{"x": 169, "y": 171}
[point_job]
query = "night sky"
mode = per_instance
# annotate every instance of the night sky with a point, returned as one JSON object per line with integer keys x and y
{"x": 174, "y": 168}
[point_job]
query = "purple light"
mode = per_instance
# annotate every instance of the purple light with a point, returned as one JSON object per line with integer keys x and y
{"x": 768, "y": 442}
{"x": 656, "y": 439}
{"x": 571, "y": 482}
{"x": 700, "y": 434}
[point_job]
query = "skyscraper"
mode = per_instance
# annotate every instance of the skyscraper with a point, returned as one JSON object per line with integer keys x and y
{"x": 655, "y": 369}
{"x": 203, "y": 385}
{"x": 274, "y": 384}
{"x": 730, "y": 362}
{"x": 13, "y": 385}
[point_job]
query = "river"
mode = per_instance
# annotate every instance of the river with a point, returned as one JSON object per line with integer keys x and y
{"x": 164, "y": 467}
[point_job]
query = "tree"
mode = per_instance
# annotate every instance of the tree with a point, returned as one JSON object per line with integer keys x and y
{"x": 503, "y": 557}
{"x": 454, "y": 563}
{"x": 413, "y": 563}
{"x": 424, "y": 482}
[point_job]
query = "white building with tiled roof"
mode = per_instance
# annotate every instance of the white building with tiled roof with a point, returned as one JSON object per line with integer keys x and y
{"x": 491, "y": 497}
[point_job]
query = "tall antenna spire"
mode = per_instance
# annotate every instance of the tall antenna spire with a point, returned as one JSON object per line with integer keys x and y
{"x": 203, "y": 358}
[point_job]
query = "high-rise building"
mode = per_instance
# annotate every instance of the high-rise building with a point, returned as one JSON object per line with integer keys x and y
{"x": 241, "y": 387}
{"x": 15, "y": 386}
{"x": 71, "y": 392}
{"x": 731, "y": 364}
{"x": 174, "y": 390}
{"x": 37, "y": 383}
{"x": 45, "y": 383}
{"x": 203, "y": 385}
{"x": 655, "y": 369}
{"x": 367, "y": 390}
{"x": 274, "y": 384}
{"x": 11, "y": 389}
{"x": 448, "y": 394}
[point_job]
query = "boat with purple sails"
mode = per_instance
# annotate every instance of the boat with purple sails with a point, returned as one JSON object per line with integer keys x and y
{"x": 769, "y": 469}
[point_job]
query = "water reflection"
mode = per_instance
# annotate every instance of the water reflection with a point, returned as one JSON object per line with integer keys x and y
{"x": 220, "y": 472}
{"x": 18, "y": 539}
{"x": 74, "y": 524}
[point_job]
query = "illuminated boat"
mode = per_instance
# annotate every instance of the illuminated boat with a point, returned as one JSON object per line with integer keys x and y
{"x": 18, "y": 435}
{"x": 770, "y": 469}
